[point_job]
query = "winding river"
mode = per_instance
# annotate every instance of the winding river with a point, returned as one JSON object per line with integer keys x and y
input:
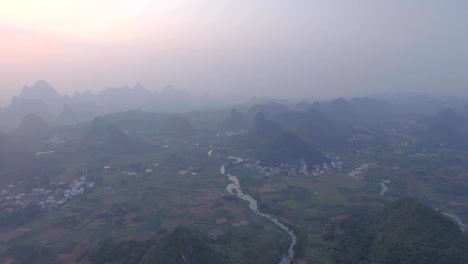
{"x": 358, "y": 171}
{"x": 385, "y": 189}
{"x": 457, "y": 220}
{"x": 235, "y": 189}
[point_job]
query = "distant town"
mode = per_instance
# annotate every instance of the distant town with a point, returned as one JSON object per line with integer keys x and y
{"x": 286, "y": 169}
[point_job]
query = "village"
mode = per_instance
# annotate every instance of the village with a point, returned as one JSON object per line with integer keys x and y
{"x": 11, "y": 198}
{"x": 299, "y": 169}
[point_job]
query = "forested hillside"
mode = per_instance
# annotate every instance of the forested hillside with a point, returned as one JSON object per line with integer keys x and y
{"x": 181, "y": 246}
{"x": 405, "y": 231}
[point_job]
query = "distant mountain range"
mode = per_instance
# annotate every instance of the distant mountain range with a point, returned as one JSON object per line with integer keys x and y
{"x": 446, "y": 127}
{"x": 44, "y": 101}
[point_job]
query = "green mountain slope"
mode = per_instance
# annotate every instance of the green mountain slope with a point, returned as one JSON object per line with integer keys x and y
{"x": 181, "y": 246}
{"x": 406, "y": 231}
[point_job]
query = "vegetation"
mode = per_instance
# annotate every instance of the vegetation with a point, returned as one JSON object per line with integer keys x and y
{"x": 20, "y": 216}
{"x": 289, "y": 148}
{"x": 405, "y": 231}
{"x": 273, "y": 145}
{"x": 314, "y": 128}
{"x": 181, "y": 246}
{"x": 235, "y": 121}
{"x": 136, "y": 193}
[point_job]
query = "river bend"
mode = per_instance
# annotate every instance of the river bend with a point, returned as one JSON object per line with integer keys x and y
{"x": 234, "y": 188}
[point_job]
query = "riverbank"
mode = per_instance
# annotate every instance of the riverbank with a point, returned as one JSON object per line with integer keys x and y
{"x": 234, "y": 188}
{"x": 358, "y": 171}
{"x": 385, "y": 189}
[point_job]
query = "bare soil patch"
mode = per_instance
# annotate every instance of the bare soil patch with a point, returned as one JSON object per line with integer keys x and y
{"x": 5, "y": 237}
{"x": 97, "y": 224}
{"x": 53, "y": 234}
{"x": 82, "y": 248}
{"x": 214, "y": 233}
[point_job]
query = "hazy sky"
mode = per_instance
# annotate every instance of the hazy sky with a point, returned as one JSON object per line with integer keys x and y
{"x": 264, "y": 47}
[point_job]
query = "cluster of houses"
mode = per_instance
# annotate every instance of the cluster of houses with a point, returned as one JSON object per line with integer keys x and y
{"x": 335, "y": 160}
{"x": 359, "y": 138}
{"x": 190, "y": 171}
{"x": 47, "y": 199}
{"x": 234, "y": 133}
{"x": 298, "y": 169}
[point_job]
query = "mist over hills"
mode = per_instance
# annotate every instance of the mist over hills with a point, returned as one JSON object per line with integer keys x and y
{"x": 43, "y": 100}
{"x": 33, "y": 126}
{"x": 108, "y": 137}
{"x": 312, "y": 162}
{"x": 318, "y": 124}
{"x": 233, "y": 132}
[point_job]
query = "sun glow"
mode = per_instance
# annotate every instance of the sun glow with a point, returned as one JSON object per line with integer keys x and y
{"x": 83, "y": 20}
